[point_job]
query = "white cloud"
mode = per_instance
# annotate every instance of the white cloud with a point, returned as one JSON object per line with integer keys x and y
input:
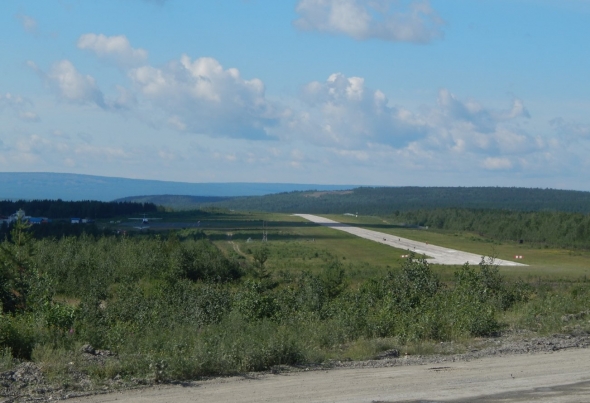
{"x": 390, "y": 20}
{"x": 482, "y": 119}
{"x": 360, "y": 125}
{"x": 53, "y": 152}
{"x": 468, "y": 126}
{"x": 342, "y": 112}
{"x": 73, "y": 86}
{"x": 125, "y": 100}
{"x": 116, "y": 48}
{"x": 19, "y": 106}
{"x": 28, "y": 23}
{"x": 70, "y": 85}
{"x": 200, "y": 96}
{"x": 29, "y": 116}
{"x": 496, "y": 163}
{"x": 569, "y": 130}
{"x": 101, "y": 153}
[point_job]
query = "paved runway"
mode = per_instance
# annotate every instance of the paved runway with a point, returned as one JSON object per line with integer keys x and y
{"x": 437, "y": 254}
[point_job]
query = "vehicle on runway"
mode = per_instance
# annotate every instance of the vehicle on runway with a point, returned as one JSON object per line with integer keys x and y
{"x": 145, "y": 219}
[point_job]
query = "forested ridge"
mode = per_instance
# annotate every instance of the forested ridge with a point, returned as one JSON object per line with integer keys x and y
{"x": 176, "y": 202}
{"x": 64, "y": 209}
{"x": 382, "y": 201}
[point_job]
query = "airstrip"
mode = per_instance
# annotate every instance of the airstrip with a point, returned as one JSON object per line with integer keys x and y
{"x": 436, "y": 254}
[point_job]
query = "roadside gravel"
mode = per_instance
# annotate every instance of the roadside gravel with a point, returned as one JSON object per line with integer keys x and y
{"x": 550, "y": 362}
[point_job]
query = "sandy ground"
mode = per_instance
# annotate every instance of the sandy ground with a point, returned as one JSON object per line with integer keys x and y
{"x": 437, "y": 254}
{"x": 557, "y": 377}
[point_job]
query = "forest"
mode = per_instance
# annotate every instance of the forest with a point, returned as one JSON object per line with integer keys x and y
{"x": 65, "y": 209}
{"x": 543, "y": 228}
{"x": 386, "y": 200}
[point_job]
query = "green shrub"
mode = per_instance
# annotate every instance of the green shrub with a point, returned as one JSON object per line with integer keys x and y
{"x": 18, "y": 335}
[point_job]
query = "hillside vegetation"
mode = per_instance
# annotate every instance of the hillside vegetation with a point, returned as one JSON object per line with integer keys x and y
{"x": 65, "y": 209}
{"x": 174, "y": 306}
{"x": 383, "y": 201}
{"x": 175, "y": 202}
{"x": 544, "y": 228}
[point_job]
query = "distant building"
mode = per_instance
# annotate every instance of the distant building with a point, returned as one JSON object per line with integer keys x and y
{"x": 38, "y": 220}
{"x": 13, "y": 217}
{"x": 21, "y": 215}
{"x": 75, "y": 221}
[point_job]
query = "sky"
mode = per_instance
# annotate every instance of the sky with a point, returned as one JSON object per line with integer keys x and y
{"x": 363, "y": 92}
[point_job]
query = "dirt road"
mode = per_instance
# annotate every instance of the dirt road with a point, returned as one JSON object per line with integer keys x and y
{"x": 556, "y": 377}
{"x": 437, "y": 254}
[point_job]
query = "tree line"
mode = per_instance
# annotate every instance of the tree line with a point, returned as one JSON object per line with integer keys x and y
{"x": 566, "y": 230}
{"x": 65, "y": 209}
{"x": 386, "y": 200}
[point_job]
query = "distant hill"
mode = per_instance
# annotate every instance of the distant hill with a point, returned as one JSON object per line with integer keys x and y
{"x": 388, "y": 200}
{"x": 45, "y": 185}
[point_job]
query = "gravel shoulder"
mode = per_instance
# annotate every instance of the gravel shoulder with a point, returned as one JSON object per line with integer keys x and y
{"x": 551, "y": 369}
{"x": 437, "y": 254}
{"x": 511, "y": 368}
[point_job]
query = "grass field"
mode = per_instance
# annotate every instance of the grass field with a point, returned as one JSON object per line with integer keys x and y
{"x": 542, "y": 262}
{"x": 296, "y": 244}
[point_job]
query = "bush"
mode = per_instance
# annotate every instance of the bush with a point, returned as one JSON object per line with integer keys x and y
{"x": 18, "y": 335}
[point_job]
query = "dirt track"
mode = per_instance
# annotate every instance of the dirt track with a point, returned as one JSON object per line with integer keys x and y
{"x": 558, "y": 377}
{"x": 438, "y": 254}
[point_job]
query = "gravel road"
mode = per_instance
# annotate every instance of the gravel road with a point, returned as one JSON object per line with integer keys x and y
{"x": 437, "y": 254}
{"x": 557, "y": 377}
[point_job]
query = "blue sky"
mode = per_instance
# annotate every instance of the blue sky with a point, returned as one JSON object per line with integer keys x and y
{"x": 368, "y": 92}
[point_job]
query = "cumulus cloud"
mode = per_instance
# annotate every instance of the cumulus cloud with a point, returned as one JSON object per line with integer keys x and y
{"x": 390, "y": 20}
{"x": 343, "y": 112}
{"x": 28, "y": 23}
{"x": 71, "y": 85}
{"x": 201, "y": 96}
{"x": 468, "y": 126}
{"x": 353, "y": 122}
{"x": 116, "y": 48}
{"x": 74, "y": 86}
{"x": 29, "y": 116}
{"x": 482, "y": 119}
{"x": 495, "y": 163}
{"x": 51, "y": 151}
{"x": 19, "y": 106}
{"x": 569, "y": 130}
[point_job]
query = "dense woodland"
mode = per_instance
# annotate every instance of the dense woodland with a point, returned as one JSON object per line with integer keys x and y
{"x": 175, "y": 202}
{"x": 64, "y": 209}
{"x": 383, "y": 201}
{"x": 556, "y": 229}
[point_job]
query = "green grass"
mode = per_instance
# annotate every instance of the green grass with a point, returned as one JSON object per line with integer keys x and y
{"x": 547, "y": 263}
{"x": 297, "y": 244}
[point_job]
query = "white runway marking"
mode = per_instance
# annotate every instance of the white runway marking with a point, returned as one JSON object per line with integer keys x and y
{"x": 438, "y": 254}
